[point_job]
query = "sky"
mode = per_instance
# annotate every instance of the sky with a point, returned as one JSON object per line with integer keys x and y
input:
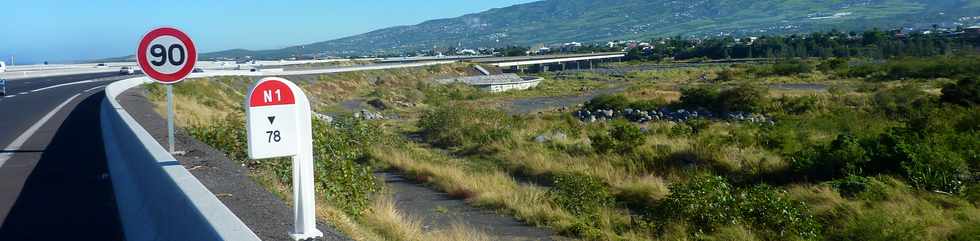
{"x": 34, "y": 31}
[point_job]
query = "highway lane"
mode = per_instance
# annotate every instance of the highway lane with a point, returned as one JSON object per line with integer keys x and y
{"x": 54, "y": 182}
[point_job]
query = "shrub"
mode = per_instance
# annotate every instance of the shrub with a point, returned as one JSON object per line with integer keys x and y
{"x": 706, "y": 202}
{"x": 581, "y": 195}
{"x": 746, "y": 97}
{"x": 700, "y": 97}
{"x": 844, "y": 156}
{"x": 902, "y": 102}
{"x": 622, "y": 137}
{"x": 797, "y": 105}
{"x": 851, "y": 186}
{"x": 769, "y": 210}
{"x": 646, "y": 105}
{"x": 832, "y": 64}
{"x": 793, "y": 67}
{"x": 337, "y": 148}
{"x": 460, "y": 126}
{"x": 936, "y": 169}
{"x": 228, "y": 135}
{"x": 728, "y": 74}
{"x": 965, "y": 92}
{"x": 607, "y": 102}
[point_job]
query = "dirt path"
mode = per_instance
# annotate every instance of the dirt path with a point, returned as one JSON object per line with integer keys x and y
{"x": 437, "y": 210}
{"x": 528, "y": 105}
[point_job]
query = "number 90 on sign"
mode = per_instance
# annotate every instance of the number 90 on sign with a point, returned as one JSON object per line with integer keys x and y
{"x": 167, "y": 54}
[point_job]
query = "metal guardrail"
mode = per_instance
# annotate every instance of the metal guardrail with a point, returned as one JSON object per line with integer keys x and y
{"x": 158, "y": 199}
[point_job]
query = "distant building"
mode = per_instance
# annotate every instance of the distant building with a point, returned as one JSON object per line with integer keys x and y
{"x": 972, "y": 30}
{"x": 496, "y": 83}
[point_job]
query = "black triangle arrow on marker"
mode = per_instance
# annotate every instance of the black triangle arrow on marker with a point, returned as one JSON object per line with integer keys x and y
{"x": 272, "y": 119}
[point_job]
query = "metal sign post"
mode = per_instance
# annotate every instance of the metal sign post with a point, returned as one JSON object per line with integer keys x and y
{"x": 279, "y": 122}
{"x": 167, "y": 55}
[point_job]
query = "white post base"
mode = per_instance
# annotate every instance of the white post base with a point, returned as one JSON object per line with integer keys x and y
{"x": 303, "y": 236}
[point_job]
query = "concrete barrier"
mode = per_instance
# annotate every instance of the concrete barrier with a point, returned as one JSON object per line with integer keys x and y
{"x": 157, "y": 198}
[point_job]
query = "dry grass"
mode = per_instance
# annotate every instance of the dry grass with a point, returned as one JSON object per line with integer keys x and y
{"x": 492, "y": 189}
{"x": 896, "y": 210}
{"x": 392, "y": 224}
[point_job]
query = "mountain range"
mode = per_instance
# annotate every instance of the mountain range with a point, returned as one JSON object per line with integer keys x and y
{"x": 557, "y": 21}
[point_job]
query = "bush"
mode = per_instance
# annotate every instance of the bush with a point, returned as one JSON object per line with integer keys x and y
{"x": 792, "y": 67}
{"x": 902, "y": 102}
{"x": 965, "y": 92}
{"x": 700, "y": 97}
{"x": 705, "y": 202}
{"x": 461, "y": 126}
{"x": 581, "y": 195}
{"x": 936, "y": 169}
{"x": 851, "y": 186}
{"x": 337, "y": 149}
{"x": 844, "y": 156}
{"x": 646, "y": 105}
{"x": 622, "y": 137}
{"x": 228, "y": 135}
{"x": 607, "y": 102}
{"x": 832, "y": 64}
{"x": 797, "y": 105}
{"x": 746, "y": 98}
{"x": 769, "y": 210}
{"x": 728, "y": 74}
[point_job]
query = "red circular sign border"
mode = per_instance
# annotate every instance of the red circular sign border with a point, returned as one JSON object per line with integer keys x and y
{"x": 161, "y": 77}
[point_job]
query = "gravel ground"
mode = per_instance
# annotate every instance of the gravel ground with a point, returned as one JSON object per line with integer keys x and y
{"x": 267, "y": 215}
{"x": 437, "y": 210}
{"x": 532, "y": 104}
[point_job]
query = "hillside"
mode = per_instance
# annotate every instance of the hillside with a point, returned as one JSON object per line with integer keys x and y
{"x": 555, "y": 21}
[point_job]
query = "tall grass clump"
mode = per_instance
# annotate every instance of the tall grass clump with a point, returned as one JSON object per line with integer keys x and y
{"x": 463, "y": 126}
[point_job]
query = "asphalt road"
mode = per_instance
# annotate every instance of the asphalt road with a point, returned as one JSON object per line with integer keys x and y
{"x": 54, "y": 181}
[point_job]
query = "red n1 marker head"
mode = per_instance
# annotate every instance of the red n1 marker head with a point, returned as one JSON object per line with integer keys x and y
{"x": 270, "y": 92}
{"x": 166, "y": 55}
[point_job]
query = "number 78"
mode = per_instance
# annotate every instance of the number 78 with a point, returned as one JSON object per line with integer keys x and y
{"x": 274, "y": 136}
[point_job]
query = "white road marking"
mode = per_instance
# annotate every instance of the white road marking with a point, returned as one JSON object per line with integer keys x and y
{"x": 14, "y": 146}
{"x": 67, "y": 84}
{"x": 22, "y": 93}
{"x": 10, "y": 96}
{"x": 97, "y": 87}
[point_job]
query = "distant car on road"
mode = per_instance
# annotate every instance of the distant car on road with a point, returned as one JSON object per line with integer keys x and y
{"x": 3, "y": 67}
{"x": 198, "y": 70}
{"x": 101, "y": 65}
{"x": 127, "y": 70}
{"x": 3, "y": 87}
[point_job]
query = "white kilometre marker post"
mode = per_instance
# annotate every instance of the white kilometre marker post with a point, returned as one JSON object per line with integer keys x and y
{"x": 279, "y": 122}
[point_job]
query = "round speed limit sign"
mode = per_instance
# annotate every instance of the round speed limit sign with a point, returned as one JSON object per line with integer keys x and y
{"x": 166, "y": 55}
